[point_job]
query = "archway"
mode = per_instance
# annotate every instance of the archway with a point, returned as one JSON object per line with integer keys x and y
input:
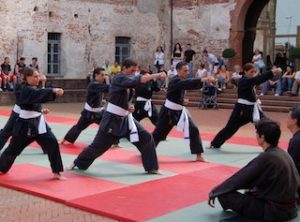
{"x": 244, "y": 19}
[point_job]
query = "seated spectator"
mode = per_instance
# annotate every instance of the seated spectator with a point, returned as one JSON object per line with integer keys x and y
{"x": 271, "y": 182}
{"x": 107, "y": 71}
{"x": 18, "y": 68}
{"x": 223, "y": 77}
{"x": 275, "y": 82}
{"x": 296, "y": 84}
{"x": 293, "y": 124}
{"x": 8, "y": 79}
{"x": 170, "y": 74}
{"x": 34, "y": 64}
{"x": 236, "y": 75}
{"x": 288, "y": 79}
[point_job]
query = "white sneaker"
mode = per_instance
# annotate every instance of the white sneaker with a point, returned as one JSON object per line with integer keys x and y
{"x": 261, "y": 94}
{"x": 276, "y": 94}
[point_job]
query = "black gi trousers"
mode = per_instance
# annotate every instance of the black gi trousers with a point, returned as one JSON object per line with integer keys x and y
{"x": 140, "y": 113}
{"x": 48, "y": 143}
{"x": 104, "y": 140}
{"x": 240, "y": 116}
{"x": 257, "y": 209}
{"x": 7, "y": 130}
{"x": 167, "y": 120}
{"x": 86, "y": 119}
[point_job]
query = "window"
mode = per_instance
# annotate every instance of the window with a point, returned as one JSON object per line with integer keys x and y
{"x": 54, "y": 50}
{"x": 122, "y": 49}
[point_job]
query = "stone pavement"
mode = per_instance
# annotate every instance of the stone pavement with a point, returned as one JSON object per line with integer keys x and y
{"x": 17, "y": 206}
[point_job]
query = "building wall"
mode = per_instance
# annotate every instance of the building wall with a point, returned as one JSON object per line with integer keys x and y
{"x": 204, "y": 23}
{"x": 90, "y": 36}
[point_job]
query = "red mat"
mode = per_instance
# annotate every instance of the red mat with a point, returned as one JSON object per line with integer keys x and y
{"x": 153, "y": 199}
{"x": 120, "y": 155}
{"x": 39, "y": 181}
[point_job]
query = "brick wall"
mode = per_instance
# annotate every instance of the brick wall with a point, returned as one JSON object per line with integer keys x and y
{"x": 89, "y": 28}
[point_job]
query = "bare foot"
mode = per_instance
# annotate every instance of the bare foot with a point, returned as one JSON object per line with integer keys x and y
{"x": 210, "y": 147}
{"x": 58, "y": 176}
{"x": 200, "y": 158}
{"x": 70, "y": 167}
{"x": 155, "y": 172}
{"x": 115, "y": 145}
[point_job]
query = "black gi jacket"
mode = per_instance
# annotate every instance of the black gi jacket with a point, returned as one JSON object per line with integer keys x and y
{"x": 176, "y": 92}
{"x": 31, "y": 99}
{"x": 271, "y": 176}
{"x": 118, "y": 95}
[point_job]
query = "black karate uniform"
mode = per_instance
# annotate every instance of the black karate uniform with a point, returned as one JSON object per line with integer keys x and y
{"x": 94, "y": 100}
{"x": 114, "y": 127}
{"x": 241, "y": 114}
{"x": 7, "y": 130}
{"x": 169, "y": 118}
{"x": 272, "y": 181}
{"x": 294, "y": 149}
{"x": 145, "y": 91}
{"x": 26, "y": 131}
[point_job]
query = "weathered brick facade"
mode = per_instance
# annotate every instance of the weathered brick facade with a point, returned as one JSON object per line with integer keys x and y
{"x": 88, "y": 28}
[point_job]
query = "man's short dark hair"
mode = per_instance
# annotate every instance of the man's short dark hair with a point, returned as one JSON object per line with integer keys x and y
{"x": 97, "y": 71}
{"x": 180, "y": 65}
{"x": 205, "y": 51}
{"x": 35, "y": 58}
{"x": 295, "y": 114}
{"x": 270, "y": 130}
{"x": 22, "y": 59}
{"x": 128, "y": 63}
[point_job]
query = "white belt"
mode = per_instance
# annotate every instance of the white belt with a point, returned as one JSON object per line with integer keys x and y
{"x": 256, "y": 108}
{"x": 94, "y": 110}
{"x": 24, "y": 114}
{"x": 17, "y": 109}
{"x": 148, "y": 105}
{"x": 183, "y": 122}
{"x": 134, "y": 136}
{"x": 184, "y": 125}
{"x": 174, "y": 106}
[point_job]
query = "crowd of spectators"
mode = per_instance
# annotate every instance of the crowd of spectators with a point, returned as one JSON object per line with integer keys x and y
{"x": 9, "y": 77}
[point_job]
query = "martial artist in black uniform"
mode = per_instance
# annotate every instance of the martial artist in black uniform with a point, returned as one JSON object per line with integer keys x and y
{"x": 93, "y": 109}
{"x": 293, "y": 124}
{"x": 31, "y": 126}
{"x": 271, "y": 181}
{"x": 174, "y": 113}
{"x": 7, "y": 130}
{"x": 117, "y": 122}
{"x": 247, "y": 109}
{"x": 144, "y": 107}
